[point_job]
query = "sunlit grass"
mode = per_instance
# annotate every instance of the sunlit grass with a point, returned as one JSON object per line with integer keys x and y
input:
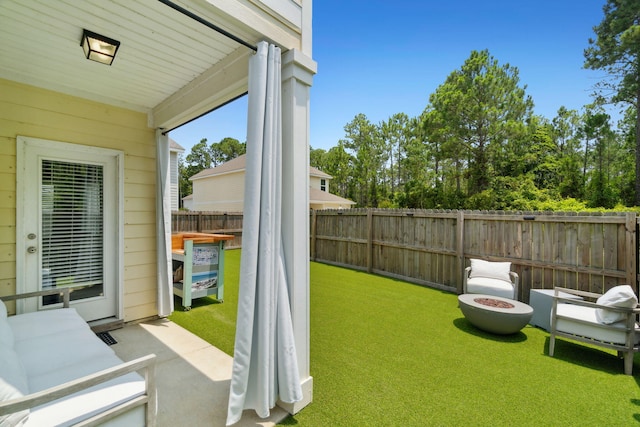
{"x": 386, "y": 352}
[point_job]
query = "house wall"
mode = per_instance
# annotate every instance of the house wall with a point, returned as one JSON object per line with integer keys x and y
{"x": 223, "y": 193}
{"x": 314, "y": 182}
{"x": 38, "y": 113}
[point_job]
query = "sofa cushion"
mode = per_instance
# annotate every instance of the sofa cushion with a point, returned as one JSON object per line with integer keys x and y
{"x": 71, "y": 349}
{"x": 12, "y": 370}
{"x": 618, "y": 296}
{"x": 494, "y": 270}
{"x": 46, "y": 322}
{"x": 64, "y": 374}
{"x": 583, "y": 322}
{"x": 6, "y": 334}
{"x": 490, "y": 286}
{"x": 91, "y": 401}
{"x": 13, "y": 384}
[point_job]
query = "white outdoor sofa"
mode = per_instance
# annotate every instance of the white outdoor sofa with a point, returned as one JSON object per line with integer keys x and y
{"x": 55, "y": 371}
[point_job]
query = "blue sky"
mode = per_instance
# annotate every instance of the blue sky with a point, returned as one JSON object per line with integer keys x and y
{"x": 381, "y": 57}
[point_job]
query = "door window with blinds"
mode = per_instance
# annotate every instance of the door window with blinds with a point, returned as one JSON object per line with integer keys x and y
{"x": 72, "y": 234}
{"x": 69, "y": 226}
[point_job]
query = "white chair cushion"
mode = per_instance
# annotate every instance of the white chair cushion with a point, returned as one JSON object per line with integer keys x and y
{"x": 613, "y": 333}
{"x": 618, "y": 296}
{"x": 490, "y": 286}
{"x": 494, "y": 270}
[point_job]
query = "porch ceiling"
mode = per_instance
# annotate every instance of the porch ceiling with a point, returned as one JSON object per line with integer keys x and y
{"x": 168, "y": 65}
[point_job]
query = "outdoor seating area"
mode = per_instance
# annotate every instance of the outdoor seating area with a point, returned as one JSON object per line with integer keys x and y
{"x": 386, "y": 350}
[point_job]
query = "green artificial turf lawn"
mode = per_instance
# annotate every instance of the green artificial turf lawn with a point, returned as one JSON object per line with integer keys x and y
{"x": 386, "y": 352}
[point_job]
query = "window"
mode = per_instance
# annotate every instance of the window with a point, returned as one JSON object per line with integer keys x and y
{"x": 72, "y": 226}
{"x": 323, "y": 184}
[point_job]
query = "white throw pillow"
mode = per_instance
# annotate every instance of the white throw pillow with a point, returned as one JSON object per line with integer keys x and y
{"x": 618, "y": 296}
{"x": 494, "y": 270}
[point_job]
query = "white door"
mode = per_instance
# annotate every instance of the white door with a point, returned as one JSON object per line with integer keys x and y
{"x": 68, "y": 225}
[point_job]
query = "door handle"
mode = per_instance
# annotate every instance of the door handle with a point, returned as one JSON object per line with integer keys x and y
{"x": 32, "y": 249}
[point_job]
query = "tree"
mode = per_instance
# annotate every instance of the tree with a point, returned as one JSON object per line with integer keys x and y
{"x": 625, "y": 165}
{"x": 616, "y": 50}
{"x": 339, "y": 166}
{"x": 481, "y": 106}
{"x": 197, "y": 160}
{"x": 566, "y": 133}
{"x": 317, "y": 158}
{"x": 597, "y": 129}
{"x": 227, "y": 149}
{"x": 367, "y": 147}
{"x": 394, "y": 134}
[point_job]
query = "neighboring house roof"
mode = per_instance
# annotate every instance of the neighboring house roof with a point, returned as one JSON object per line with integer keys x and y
{"x": 317, "y": 172}
{"x": 319, "y": 196}
{"x": 234, "y": 165}
{"x": 189, "y": 197}
{"x": 239, "y": 164}
{"x": 174, "y": 146}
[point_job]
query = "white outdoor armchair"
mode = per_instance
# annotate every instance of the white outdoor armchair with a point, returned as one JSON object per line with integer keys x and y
{"x": 610, "y": 321}
{"x": 490, "y": 278}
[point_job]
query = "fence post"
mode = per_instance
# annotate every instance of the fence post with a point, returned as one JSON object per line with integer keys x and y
{"x": 631, "y": 242}
{"x": 460, "y": 250}
{"x": 314, "y": 224}
{"x": 369, "y": 240}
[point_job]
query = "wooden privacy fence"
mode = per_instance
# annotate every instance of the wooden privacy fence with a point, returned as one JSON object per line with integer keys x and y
{"x": 590, "y": 252}
{"x": 210, "y": 222}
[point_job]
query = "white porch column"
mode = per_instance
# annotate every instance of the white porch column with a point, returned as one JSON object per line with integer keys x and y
{"x": 297, "y": 75}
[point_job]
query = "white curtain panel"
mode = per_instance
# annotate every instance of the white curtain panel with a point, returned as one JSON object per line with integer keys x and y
{"x": 163, "y": 225}
{"x": 265, "y": 366}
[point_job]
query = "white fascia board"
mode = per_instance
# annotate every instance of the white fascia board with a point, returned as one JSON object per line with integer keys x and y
{"x": 220, "y": 84}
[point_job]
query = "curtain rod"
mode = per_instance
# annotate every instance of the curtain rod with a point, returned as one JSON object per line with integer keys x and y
{"x": 208, "y": 24}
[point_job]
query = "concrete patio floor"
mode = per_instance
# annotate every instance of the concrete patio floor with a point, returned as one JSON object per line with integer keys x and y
{"x": 192, "y": 376}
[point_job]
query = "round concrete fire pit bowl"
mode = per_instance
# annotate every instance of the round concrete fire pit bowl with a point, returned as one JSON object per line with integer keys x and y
{"x": 497, "y": 315}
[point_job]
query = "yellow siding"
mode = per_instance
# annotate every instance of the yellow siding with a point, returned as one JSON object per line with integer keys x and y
{"x": 38, "y": 113}
{"x": 314, "y": 182}
{"x": 224, "y": 193}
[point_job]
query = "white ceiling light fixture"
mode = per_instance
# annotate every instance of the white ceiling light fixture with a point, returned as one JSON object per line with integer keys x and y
{"x": 99, "y": 48}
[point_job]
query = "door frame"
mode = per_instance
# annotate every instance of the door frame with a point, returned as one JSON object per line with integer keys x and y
{"x": 21, "y": 193}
